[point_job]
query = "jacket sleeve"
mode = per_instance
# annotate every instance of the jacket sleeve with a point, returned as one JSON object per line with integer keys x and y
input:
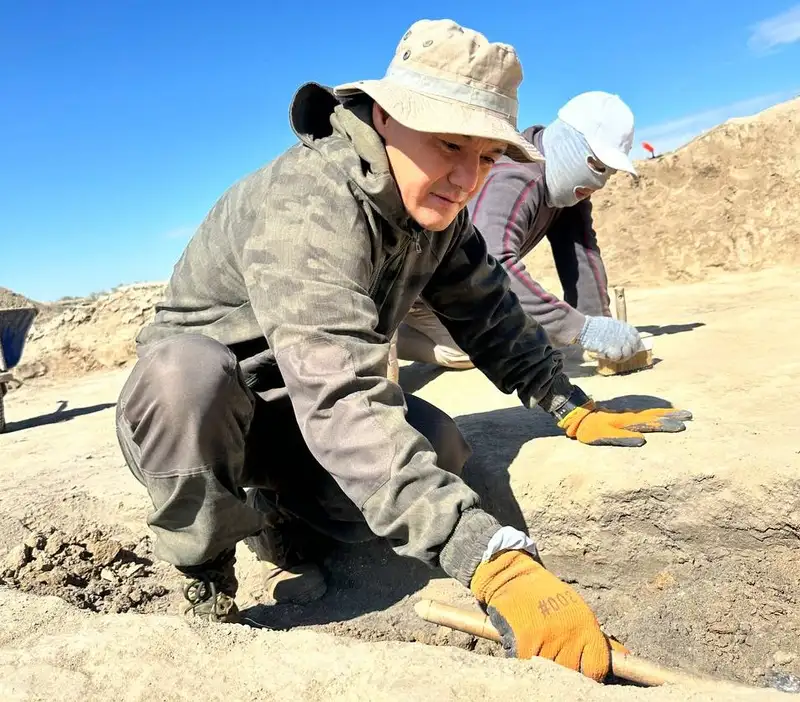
{"x": 578, "y": 260}
{"x": 308, "y": 268}
{"x": 505, "y": 215}
{"x": 471, "y": 294}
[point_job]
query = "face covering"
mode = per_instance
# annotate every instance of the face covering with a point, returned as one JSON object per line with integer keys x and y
{"x": 566, "y": 167}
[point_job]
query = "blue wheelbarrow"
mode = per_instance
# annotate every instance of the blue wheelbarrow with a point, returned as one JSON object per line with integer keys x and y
{"x": 14, "y": 327}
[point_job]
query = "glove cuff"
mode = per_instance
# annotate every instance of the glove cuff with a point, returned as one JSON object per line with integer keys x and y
{"x": 585, "y": 331}
{"x": 467, "y": 545}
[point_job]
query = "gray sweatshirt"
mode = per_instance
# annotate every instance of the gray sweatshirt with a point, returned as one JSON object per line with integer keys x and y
{"x": 512, "y": 215}
{"x": 309, "y": 265}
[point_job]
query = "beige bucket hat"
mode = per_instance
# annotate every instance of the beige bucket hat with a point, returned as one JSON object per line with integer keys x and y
{"x": 449, "y": 79}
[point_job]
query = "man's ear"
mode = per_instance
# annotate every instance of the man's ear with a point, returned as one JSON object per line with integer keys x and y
{"x": 380, "y": 118}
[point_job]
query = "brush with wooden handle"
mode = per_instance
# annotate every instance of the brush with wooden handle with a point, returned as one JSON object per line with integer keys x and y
{"x": 623, "y": 665}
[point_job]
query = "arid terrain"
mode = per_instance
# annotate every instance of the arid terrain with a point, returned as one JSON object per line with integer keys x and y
{"x": 688, "y": 548}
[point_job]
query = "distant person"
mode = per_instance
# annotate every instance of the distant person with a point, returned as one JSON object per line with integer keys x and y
{"x": 520, "y": 205}
{"x": 259, "y": 409}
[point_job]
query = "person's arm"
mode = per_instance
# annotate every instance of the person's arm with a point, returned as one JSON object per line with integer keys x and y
{"x": 504, "y": 213}
{"x": 535, "y": 612}
{"x": 580, "y": 267}
{"x": 578, "y": 260}
{"x": 308, "y": 270}
{"x": 471, "y": 294}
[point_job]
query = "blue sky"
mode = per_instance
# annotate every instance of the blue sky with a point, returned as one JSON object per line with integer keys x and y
{"x": 122, "y": 122}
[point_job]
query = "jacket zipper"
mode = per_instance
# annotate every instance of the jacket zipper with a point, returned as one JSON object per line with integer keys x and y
{"x": 388, "y": 262}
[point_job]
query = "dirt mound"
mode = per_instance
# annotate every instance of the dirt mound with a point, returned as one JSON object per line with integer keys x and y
{"x": 11, "y": 300}
{"x": 69, "y": 656}
{"x": 90, "y": 571}
{"x": 729, "y": 200}
{"x": 89, "y": 333}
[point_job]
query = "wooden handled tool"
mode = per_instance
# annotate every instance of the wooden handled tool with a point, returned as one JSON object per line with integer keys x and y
{"x": 640, "y": 360}
{"x": 620, "y": 304}
{"x": 623, "y": 665}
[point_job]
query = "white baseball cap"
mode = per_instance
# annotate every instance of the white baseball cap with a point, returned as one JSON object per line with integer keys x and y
{"x": 606, "y": 123}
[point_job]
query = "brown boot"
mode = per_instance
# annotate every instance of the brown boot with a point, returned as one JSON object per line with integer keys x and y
{"x": 210, "y": 589}
{"x": 288, "y": 577}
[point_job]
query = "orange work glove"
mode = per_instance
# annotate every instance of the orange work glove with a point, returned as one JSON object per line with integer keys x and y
{"x": 604, "y": 427}
{"x": 539, "y": 615}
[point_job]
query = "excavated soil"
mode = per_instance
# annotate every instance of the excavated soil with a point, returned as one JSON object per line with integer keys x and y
{"x": 688, "y": 548}
{"x": 89, "y": 570}
{"x": 87, "y": 334}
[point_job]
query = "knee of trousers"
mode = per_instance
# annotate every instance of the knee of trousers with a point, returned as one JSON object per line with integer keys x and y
{"x": 189, "y": 379}
{"x": 452, "y": 449}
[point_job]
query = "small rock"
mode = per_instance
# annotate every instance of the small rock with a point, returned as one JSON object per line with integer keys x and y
{"x": 55, "y": 577}
{"x": 35, "y": 541}
{"x": 55, "y": 543}
{"x": 105, "y": 552}
{"x": 16, "y": 559}
{"x": 783, "y": 657}
{"x": 108, "y": 576}
{"x": 77, "y": 551}
{"x": 136, "y": 596}
{"x": 133, "y": 570}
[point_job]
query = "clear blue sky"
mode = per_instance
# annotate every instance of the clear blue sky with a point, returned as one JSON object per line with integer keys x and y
{"x": 122, "y": 122}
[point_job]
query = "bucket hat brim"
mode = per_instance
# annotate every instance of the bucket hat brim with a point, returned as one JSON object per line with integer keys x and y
{"x": 424, "y": 112}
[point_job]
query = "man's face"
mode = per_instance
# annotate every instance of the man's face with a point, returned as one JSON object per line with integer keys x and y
{"x": 436, "y": 174}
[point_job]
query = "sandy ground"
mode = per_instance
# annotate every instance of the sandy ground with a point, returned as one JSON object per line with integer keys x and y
{"x": 688, "y": 548}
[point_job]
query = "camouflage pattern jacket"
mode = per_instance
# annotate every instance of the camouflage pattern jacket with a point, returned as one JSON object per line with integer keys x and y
{"x": 310, "y": 264}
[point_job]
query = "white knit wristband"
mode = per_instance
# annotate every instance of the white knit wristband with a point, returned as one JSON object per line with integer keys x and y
{"x": 508, "y": 538}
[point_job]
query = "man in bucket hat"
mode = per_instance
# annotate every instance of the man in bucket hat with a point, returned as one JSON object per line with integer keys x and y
{"x": 259, "y": 409}
{"x": 522, "y": 203}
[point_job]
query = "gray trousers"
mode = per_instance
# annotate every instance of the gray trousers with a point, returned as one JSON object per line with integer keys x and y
{"x": 195, "y": 435}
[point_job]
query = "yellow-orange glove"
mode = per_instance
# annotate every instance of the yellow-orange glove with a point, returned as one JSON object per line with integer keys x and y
{"x": 539, "y": 615}
{"x": 604, "y": 427}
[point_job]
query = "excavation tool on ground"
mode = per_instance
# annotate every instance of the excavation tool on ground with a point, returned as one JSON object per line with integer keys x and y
{"x": 624, "y": 666}
{"x": 14, "y": 326}
{"x": 641, "y": 359}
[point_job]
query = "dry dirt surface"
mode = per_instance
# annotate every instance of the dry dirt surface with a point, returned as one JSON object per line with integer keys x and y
{"x": 688, "y": 549}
